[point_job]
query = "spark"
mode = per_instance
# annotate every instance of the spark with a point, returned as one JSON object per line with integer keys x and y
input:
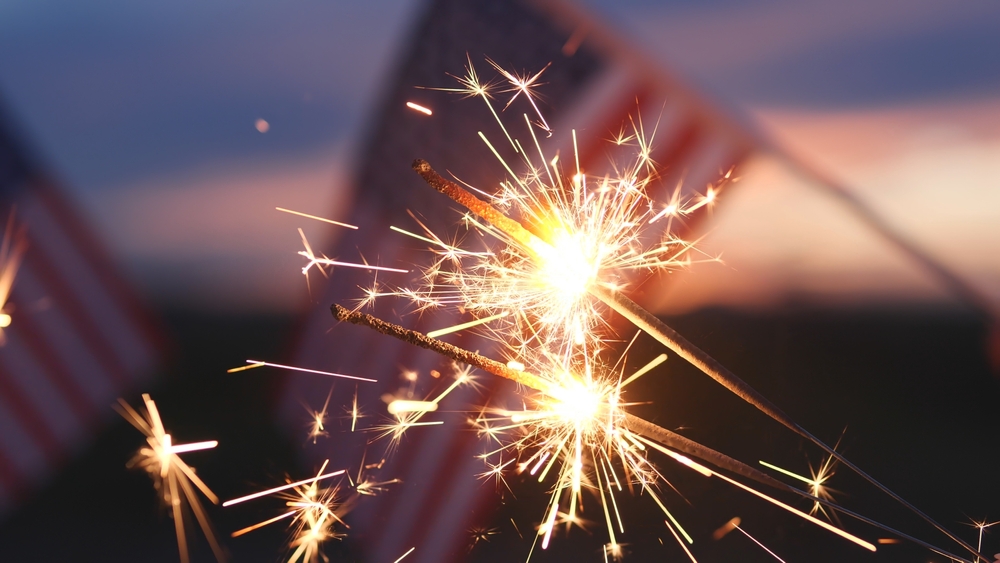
{"x": 762, "y": 546}
{"x": 723, "y": 530}
{"x": 409, "y": 551}
{"x": 590, "y": 231}
{"x": 324, "y": 219}
{"x": 574, "y": 432}
{"x": 258, "y": 363}
{"x": 495, "y": 472}
{"x": 817, "y": 482}
{"x": 472, "y": 87}
{"x": 463, "y": 326}
{"x": 174, "y": 479}
{"x": 982, "y": 526}
{"x": 481, "y": 535}
{"x": 12, "y": 250}
{"x": 313, "y": 260}
{"x": 418, "y": 107}
{"x": 591, "y": 236}
{"x": 402, "y": 406}
{"x": 317, "y": 423}
{"x": 524, "y": 84}
{"x": 354, "y": 410}
{"x": 316, "y": 513}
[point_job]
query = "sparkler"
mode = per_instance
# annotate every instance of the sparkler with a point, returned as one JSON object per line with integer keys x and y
{"x": 175, "y": 480}
{"x": 608, "y": 421}
{"x": 565, "y": 237}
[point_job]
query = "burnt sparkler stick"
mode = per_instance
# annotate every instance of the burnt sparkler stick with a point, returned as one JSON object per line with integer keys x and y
{"x": 633, "y": 423}
{"x": 454, "y": 352}
{"x": 646, "y": 321}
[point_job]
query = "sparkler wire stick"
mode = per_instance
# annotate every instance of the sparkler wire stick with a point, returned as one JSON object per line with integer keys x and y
{"x": 656, "y": 328}
{"x": 633, "y": 423}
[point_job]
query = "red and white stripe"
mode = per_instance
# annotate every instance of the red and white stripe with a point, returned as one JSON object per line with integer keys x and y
{"x": 77, "y": 340}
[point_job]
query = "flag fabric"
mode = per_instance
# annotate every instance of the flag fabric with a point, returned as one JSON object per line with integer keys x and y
{"x": 78, "y": 338}
{"x": 593, "y": 85}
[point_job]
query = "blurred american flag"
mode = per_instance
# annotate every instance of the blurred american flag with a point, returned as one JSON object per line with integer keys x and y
{"x": 78, "y": 337}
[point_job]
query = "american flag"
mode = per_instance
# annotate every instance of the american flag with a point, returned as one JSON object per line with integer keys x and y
{"x": 78, "y": 337}
{"x": 595, "y": 82}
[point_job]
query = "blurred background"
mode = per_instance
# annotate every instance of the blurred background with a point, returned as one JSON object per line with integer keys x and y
{"x": 172, "y": 130}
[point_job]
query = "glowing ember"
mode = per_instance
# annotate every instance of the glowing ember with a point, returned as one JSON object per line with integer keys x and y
{"x": 176, "y": 481}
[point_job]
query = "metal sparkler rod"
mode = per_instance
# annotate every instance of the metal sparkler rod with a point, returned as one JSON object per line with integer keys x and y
{"x": 454, "y": 352}
{"x": 633, "y": 423}
{"x": 667, "y": 336}
{"x": 530, "y": 380}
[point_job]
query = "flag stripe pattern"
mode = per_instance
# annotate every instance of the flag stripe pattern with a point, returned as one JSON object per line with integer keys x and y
{"x": 78, "y": 337}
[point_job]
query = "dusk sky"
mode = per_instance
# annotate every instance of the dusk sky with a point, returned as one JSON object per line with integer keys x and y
{"x": 147, "y": 112}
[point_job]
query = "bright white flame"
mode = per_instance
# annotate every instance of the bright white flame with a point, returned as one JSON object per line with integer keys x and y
{"x": 575, "y": 402}
{"x": 566, "y": 267}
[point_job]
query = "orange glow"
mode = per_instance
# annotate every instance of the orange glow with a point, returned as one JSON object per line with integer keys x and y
{"x": 418, "y": 107}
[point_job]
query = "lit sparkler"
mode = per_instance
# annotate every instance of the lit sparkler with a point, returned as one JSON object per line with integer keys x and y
{"x": 175, "y": 480}
{"x": 816, "y": 483}
{"x": 566, "y": 250}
